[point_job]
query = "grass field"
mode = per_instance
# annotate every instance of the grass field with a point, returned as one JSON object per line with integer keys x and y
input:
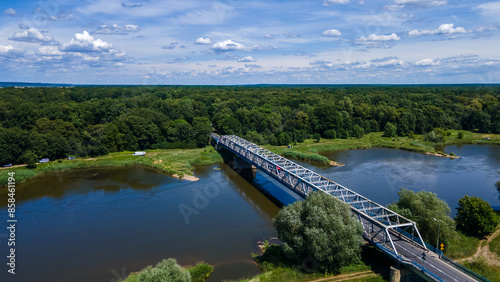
{"x": 180, "y": 162}
{"x": 462, "y": 246}
{"x": 174, "y": 162}
{"x": 374, "y": 266}
{"x": 310, "y": 150}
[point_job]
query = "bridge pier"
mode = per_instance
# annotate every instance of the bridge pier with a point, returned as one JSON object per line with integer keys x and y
{"x": 400, "y": 273}
{"x": 240, "y": 166}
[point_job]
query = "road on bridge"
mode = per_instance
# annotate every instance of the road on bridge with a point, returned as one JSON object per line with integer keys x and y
{"x": 432, "y": 262}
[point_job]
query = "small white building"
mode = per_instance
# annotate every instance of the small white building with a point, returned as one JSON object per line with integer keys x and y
{"x": 139, "y": 153}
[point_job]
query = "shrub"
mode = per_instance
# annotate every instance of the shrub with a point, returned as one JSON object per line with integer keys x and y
{"x": 475, "y": 216}
{"x": 460, "y": 135}
{"x": 389, "y": 130}
{"x": 166, "y": 270}
{"x": 330, "y": 134}
{"x": 201, "y": 272}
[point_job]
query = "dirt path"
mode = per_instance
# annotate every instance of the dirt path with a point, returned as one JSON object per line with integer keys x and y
{"x": 484, "y": 251}
{"x": 21, "y": 165}
{"x": 350, "y": 276}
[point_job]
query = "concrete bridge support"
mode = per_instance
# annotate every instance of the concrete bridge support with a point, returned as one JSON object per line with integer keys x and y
{"x": 400, "y": 273}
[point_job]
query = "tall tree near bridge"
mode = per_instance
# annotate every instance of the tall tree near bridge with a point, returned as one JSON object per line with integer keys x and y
{"x": 475, "y": 216}
{"x": 322, "y": 228}
{"x": 429, "y": 212}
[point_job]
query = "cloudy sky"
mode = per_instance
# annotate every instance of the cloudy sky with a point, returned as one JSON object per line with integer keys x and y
{"x": 250, "y": 42}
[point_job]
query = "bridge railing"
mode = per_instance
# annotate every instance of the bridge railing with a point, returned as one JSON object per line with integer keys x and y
{"x": 305, "y": 180}
{"x": 464, "y": 269}
{"x": 409, "y": 262}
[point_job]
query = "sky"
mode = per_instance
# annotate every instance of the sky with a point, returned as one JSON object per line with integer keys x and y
{"x": 234, "y": 42}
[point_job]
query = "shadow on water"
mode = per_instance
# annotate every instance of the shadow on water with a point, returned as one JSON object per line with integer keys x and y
{"x": 105, "y": 179}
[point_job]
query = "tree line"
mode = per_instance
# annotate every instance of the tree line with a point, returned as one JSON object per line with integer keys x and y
{"x": 90, "y": 121}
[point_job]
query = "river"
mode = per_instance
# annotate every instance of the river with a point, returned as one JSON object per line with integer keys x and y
{"x": 100, "y": 224}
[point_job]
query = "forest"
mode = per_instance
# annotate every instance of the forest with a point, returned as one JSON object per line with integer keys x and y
{"x": 55, "y": 123}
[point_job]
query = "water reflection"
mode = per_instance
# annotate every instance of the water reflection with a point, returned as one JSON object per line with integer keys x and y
{"x": 83, "y": 224}
{"x": 379, "y": 173}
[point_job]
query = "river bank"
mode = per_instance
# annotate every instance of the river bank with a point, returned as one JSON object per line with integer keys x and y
{"x": 179, "y": 163}
{"x": 311, "y": 151}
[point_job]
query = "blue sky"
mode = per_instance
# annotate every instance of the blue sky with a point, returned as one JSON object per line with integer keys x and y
{"x": 250, "y": 42}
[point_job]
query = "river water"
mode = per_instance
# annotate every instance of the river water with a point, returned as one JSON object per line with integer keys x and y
{"x": 100, "y": 224}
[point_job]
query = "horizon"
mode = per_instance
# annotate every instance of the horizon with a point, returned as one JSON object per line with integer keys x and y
{"x": 234, "y": 42}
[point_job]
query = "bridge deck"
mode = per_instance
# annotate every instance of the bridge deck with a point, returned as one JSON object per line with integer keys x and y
{"x": 383, "y": 227}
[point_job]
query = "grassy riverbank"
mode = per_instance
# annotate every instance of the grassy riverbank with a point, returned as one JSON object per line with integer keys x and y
{"x": 374, "y": 266}
{"x": 178, "y": 163}
{"x": 311, "y": 151}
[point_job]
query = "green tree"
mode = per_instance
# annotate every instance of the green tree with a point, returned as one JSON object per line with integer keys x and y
{"x": 429, "y": 212}
{"x": 358, "y": 131}
{"x": 202, "y": 130}
{"x": 330, "y": 134}
{"x": 29, "y": 157}
{"x": 165, "y": 271}
{"x": 320, "y": 227}
{"x": 317, "y": 136}
{"x": 475, "y": 216}
{"x": 389, "y": 130}
{"x": 460, "y": 135}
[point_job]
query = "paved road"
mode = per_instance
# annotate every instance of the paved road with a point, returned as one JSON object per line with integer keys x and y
{"x": 432, "y": 262}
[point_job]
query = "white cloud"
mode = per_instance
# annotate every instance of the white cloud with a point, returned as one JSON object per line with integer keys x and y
{"x": 84, "y": 42}
{"x": 442, "y": 29}
{"x": 203, "y": 41}
{"x": 60, "y": 16}
{"x": 382, "y": 37}
{"x": 247, "y": 59}
{"x": 229, "y": 45}
{"x": 334, "y": 2}
{"x": 421, "y": 3}
{"x": 10, "y": 12}
{"x": 6, "y": 49}
{"x": 177, "y": 60}
{"x": 117, "y": 29}
{"x": 170, "y": 46}
{"x": 490, "y": 8}
{"x": 427, "y": 62}
{"x": 23, "y": 26}
{"x": 291, "y": 35}
{"x": 268, "y": 36}
{"x": 49, "y": 51}
{"x": 331, "y": 33}
{"x": 32, "y": 35}
{"x": 386, "y": 62}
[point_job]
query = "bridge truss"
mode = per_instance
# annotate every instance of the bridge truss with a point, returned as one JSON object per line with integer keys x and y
{"x": 378, "y": 221}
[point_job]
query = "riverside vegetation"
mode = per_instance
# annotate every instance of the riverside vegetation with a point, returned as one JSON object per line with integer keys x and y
{"x": 92, "y": 121}
{"x": 180, "y": 162}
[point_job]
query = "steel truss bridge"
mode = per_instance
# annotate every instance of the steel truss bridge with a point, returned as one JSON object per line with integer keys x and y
{"x": 390, "y": 232}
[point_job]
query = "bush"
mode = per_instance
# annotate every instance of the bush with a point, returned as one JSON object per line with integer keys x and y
{"x": 389, "y": 130}
{"x": 460, "y": 135}
{"x": 358, "y": 132}
{"x": 201, "y": 272}
{"x": 31, "y": 166}
{"x": 320, "y": 230}
{"x": 475, "y": 216}
{"x": 434, "y": 137}
{"x": 165, "y": 271}
{"x": 330, "y": 134}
